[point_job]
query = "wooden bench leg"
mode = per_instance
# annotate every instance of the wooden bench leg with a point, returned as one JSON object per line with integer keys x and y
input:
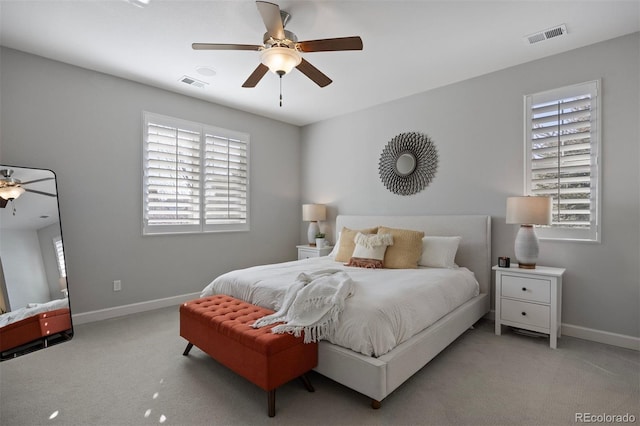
{"x": 307, "y": 383}
{"x": 271, "y": 402}
{"x": 271, "y": 395}
{"x": 187, "y": 349}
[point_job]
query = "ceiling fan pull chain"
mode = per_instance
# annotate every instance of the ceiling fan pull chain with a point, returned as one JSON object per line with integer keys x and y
{"x": 13, "y": 204}
{"x": 281, "y": 90}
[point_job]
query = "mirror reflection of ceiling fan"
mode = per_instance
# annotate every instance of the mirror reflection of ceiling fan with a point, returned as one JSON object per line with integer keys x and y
{"x": 11, "y": 188}
{"x": 280, "y": 52}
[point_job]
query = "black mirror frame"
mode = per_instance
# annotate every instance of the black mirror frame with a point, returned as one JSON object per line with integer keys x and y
{"x": 55, "y": 327}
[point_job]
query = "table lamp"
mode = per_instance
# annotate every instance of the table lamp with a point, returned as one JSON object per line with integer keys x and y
{"x": 526, "y": 212}
{"x": 312, "y": 213}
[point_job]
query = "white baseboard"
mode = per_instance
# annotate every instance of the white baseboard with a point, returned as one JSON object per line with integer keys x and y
{"x": 600, "y": 336}
{"x": 134, "y": 308}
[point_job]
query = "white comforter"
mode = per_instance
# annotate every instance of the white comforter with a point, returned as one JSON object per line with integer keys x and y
{"x": 32, "y": 309}
{"x": 388, "y": 306}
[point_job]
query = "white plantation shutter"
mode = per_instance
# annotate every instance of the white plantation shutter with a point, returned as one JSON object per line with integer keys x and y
{"x": 226, "y": 180}
{"x": 172, "y": 180}
{"x": 562, "y": 135}
{"x": 195, "y": 177}
{"x": 59, "y": 249}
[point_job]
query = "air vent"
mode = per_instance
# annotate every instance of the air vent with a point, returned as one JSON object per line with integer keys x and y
{"x": 546, "y": 34}
{"x": 193, "y": 82}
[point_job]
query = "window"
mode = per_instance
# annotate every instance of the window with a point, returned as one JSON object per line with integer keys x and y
{"x": 196, "y": 177}
{"x": 62, "y": 268}
{"x": 562, "y": 134}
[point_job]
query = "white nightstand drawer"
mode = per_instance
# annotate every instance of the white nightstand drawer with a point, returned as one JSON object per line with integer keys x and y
{"x": 525, "y": 313}
{"x": 526, "y": 288}
{"x": 306, "y": 252}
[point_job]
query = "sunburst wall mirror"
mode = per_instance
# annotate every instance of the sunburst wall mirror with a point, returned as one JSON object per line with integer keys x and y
{"x": 408, "y": 163}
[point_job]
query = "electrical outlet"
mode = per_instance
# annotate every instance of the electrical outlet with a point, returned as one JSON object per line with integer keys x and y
{"x": 117, "y": 285}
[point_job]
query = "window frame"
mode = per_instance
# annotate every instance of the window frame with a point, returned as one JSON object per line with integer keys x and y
{"x": 204, "y": 131}
{"x": 557, "y": 231}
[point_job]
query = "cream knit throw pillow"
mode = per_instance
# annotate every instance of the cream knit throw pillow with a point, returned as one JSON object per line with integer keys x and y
{"x": 370, "y": 249}
{"x": 347, "y": 243}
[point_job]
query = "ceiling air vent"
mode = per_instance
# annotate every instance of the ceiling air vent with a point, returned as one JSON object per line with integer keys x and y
{"x": 193, "y": 82}
{"x": 546, "y": 34}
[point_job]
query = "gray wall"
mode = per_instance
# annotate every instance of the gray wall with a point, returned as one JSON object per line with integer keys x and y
{"x": 23, "y": 267}
{"x": 477, "y": 127}
{"x": 86, "y": 127}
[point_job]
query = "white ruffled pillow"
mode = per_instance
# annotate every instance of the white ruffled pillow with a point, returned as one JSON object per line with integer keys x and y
{"x": 439, "y": 252}
{"x": 370, "y": 250}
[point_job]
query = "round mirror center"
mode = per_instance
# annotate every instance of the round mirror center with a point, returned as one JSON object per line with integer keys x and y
{"x": 405, "y": 164}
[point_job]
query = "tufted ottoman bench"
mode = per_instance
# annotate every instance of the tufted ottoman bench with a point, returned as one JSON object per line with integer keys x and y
{"x": 220, "y": 325}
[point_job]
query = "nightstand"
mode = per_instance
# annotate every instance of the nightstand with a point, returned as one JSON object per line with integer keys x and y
{"x": 306, "y": 251}
{"x": 529, "y": 299}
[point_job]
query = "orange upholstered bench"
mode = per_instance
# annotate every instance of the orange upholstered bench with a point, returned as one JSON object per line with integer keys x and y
{"x": 220, "y": 325}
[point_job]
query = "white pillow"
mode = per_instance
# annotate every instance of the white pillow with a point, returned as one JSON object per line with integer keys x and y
{"x": 439, "y": 252}
{"x": 336, "y": 247}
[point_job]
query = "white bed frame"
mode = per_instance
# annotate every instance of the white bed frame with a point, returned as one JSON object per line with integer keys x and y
{"x": 378, "y": 377}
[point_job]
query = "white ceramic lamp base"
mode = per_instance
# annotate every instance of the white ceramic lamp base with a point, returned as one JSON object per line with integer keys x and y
{"x": 526, "y": 247}
{"x": 311, "y": 233}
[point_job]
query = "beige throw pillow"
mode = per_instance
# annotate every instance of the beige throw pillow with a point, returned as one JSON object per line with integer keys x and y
{"x": 406, "y": 249}
{"x": 347, "y": 243}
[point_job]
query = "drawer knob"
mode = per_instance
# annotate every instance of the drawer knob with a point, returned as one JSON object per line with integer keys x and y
{"x": 524, "y": 314}
{"x": 524, "y": 289}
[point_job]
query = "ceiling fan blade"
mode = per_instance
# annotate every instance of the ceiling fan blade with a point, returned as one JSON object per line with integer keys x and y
{"x": 40, "y": 192}
{"x": 223, "y": 46}
{"x": 36, "y": 180}
{"x": 3, "y": 203}
{"x": 314, "y": 73}
{"x": 331, "y": 44}
{"x": 256, "y": 76}
{"x": 270, "y": 13}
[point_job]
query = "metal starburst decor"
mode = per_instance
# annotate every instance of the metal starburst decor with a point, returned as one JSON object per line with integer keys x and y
{"x": 416, "y": 148}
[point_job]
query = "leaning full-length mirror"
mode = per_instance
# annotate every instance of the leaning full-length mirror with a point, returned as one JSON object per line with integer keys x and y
{"x": 34, "y": 298}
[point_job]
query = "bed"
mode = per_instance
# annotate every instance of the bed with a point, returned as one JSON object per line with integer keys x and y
{"x": 377, "y": 363}
{"x": 36, "y": 324}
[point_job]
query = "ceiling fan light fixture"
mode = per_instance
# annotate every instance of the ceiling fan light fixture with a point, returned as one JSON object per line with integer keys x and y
{"x": 11, "y": 192}
{"x": 280, "y": 60}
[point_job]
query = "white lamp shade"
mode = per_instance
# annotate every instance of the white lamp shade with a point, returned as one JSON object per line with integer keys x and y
{"x": 11, "y": 192}
{"x": 314, "y": 212}
{"x": 529, "y": 210}
{"x": 280, "y": 60}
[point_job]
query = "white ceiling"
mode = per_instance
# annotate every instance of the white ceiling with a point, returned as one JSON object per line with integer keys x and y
{"x": 409, "y": 46}
{"x": 32, "y": 211}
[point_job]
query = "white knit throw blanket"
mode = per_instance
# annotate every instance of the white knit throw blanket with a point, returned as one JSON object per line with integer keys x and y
{"x": 312, "y": 304}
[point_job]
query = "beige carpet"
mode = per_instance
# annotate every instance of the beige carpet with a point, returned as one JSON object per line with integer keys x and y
{"x": 130, "y": 371}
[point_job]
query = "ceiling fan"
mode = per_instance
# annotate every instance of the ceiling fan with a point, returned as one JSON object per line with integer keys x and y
{"x": 11, "y": 188}
{"x": 280, "y": 52}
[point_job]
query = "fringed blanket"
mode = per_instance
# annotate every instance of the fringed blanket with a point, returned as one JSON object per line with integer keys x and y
{"x": 312, "y": 304}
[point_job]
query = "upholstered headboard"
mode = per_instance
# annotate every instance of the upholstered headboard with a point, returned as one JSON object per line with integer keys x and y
{"x": 474, "y": 251}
